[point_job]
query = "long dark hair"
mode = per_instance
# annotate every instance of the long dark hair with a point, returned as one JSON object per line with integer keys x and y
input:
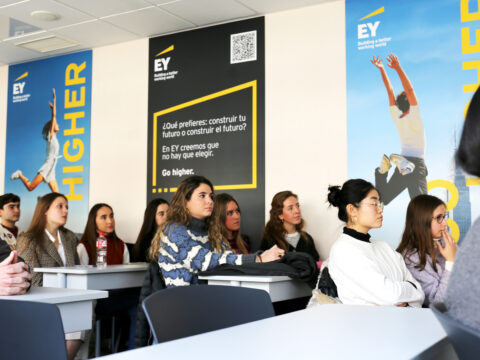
{"x": 274, "y": 232}
{"x": 219, "y": 217}
{"x": 469, "y": 146}
{"x": 39, "y": 219}
{"x": 417, "y": 236}
{"x": 89, "y": 235}
{"x": 148, "y": 230}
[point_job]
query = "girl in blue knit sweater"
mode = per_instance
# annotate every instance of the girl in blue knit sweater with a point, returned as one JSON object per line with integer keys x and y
{"x": 182, "y": 244}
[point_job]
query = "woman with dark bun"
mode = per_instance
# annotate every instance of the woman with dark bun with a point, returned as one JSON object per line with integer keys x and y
{"x": 463, "y": 291}
{"x": 367, "y": 272}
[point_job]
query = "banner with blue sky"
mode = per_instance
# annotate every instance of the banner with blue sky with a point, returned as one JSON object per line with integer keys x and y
{"x": 48, "y": 133}
{"x": 430, "y": 50}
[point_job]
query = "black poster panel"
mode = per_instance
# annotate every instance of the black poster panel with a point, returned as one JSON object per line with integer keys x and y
{"x": 206, "y": 106}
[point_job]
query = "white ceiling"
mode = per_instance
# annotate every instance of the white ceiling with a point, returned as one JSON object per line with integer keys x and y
{"x": 92, "y": 23}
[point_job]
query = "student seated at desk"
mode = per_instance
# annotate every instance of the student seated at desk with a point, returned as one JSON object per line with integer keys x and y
{"x": 285, "y": 226}
{"x": 10, "y": 214}
{"x": 101, "y": 219}
{"x": 367, "y": 271}
{"x": 183, "y": 246}
{"x": 47, "y": 243}
{"x": 427, "y": 247}
{"x": 225, "y": 224}
{"x": 154, "y": 217}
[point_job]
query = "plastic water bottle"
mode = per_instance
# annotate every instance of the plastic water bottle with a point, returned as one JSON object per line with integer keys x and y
{"x": 101, "y": 251}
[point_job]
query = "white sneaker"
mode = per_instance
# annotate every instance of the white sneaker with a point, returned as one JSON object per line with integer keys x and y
{"x": 384, "y": 165}
{"x": 403, "y": 165}
{"x": 15, "y": 175}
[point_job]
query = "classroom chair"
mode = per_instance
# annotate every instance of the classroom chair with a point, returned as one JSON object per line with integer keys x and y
{"x": 190, "y": 310}
{"x": 464, "y": 339}
{"x": 31, "y": 330}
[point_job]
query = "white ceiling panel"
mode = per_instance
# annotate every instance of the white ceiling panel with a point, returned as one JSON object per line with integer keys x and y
{"x": 93, "y": 23}
{"x": 269, "y": 6}
{"x": 11, "y": 54}
{"x": 203, "y": 12}
{"x": 95, "y": 33}
{"x": 149, "y": 22}
{"x": 100, "y": 8}
{"x": 10, "y": 2}
{"x": 22, "y": 11}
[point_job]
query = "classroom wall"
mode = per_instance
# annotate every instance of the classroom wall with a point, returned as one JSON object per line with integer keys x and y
{"x": 305, "y": 145}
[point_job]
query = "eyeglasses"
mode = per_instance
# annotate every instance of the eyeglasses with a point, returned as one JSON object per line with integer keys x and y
{"x": 440, "y": 218}
{"x": 378, "y": 205}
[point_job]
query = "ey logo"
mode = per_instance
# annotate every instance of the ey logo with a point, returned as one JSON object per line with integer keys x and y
{"x": 162, "y": 63}
{"x": 19, "y": 86}
{"x": 368, "y": 30}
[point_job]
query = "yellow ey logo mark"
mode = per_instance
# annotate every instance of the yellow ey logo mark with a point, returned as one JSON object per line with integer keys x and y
{"x": 170, "y": 48}
{"x": 376, "y": 12}
{"x": 22, "y": 76}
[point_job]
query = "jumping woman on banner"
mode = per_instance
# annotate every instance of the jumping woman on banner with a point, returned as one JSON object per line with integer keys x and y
{"x": 411, "y": 171}
{"x": 47, "y": 171}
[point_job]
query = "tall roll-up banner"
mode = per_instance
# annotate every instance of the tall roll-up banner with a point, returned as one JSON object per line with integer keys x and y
{"x": 206, "y": 114}
{"x": 412, "y": 68}
{"x": 48, "y": 133}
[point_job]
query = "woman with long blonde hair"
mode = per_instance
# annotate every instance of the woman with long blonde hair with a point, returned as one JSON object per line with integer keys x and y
{"x": 182, "y": 246}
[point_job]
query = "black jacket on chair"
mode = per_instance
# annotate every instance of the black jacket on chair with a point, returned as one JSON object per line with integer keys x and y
{"x": 297, "y": 265}
{"x": 153, "y": 282}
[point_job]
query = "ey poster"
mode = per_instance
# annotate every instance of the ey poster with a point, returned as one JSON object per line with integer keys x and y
{"x": 206, "y": 114}
{"x": 430, "y": 52}
{"x": 48, "y": 133}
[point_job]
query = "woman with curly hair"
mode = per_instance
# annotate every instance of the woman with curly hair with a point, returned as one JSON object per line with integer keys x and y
{"x": 182, "y": 245}
{"x": 285, "y": 226}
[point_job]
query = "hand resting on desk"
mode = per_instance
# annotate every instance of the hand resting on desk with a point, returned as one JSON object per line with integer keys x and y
{"x": 14, "y": 276}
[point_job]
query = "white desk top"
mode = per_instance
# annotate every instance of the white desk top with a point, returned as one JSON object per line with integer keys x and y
{"x": 88, "y": 269}
{"x": 57, "y": 295}
{"x": 246, "y": 278}
{"x": 323, "y": 332}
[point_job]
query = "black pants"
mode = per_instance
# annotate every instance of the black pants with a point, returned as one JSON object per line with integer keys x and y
{"x": 416, "y": 182}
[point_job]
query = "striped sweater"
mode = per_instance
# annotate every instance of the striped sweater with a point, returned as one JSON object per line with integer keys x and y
{"x": 187, "y": 251}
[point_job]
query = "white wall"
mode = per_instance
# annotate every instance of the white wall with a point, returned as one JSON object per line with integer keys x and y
{"x": 306, "y": 145}
{"x": 305, "y": 119}
{"x": 118, "y": 165}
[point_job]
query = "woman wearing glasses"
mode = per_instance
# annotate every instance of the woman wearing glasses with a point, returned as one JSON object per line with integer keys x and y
{"x": 427, "y": 247}
{"x": 367, "y": 272}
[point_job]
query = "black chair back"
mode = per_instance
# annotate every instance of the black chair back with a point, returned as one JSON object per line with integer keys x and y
{"x": 190, "y": 310}
{"x": 31, "y": 330}
{"x": 464, "y": 339}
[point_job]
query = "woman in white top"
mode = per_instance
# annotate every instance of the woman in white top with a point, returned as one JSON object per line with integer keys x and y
{"x": 367, "y": 271}
{"x": 47, "y": 170}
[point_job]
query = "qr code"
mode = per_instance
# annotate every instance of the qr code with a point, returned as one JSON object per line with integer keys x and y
{"x": 243, "y": 47}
